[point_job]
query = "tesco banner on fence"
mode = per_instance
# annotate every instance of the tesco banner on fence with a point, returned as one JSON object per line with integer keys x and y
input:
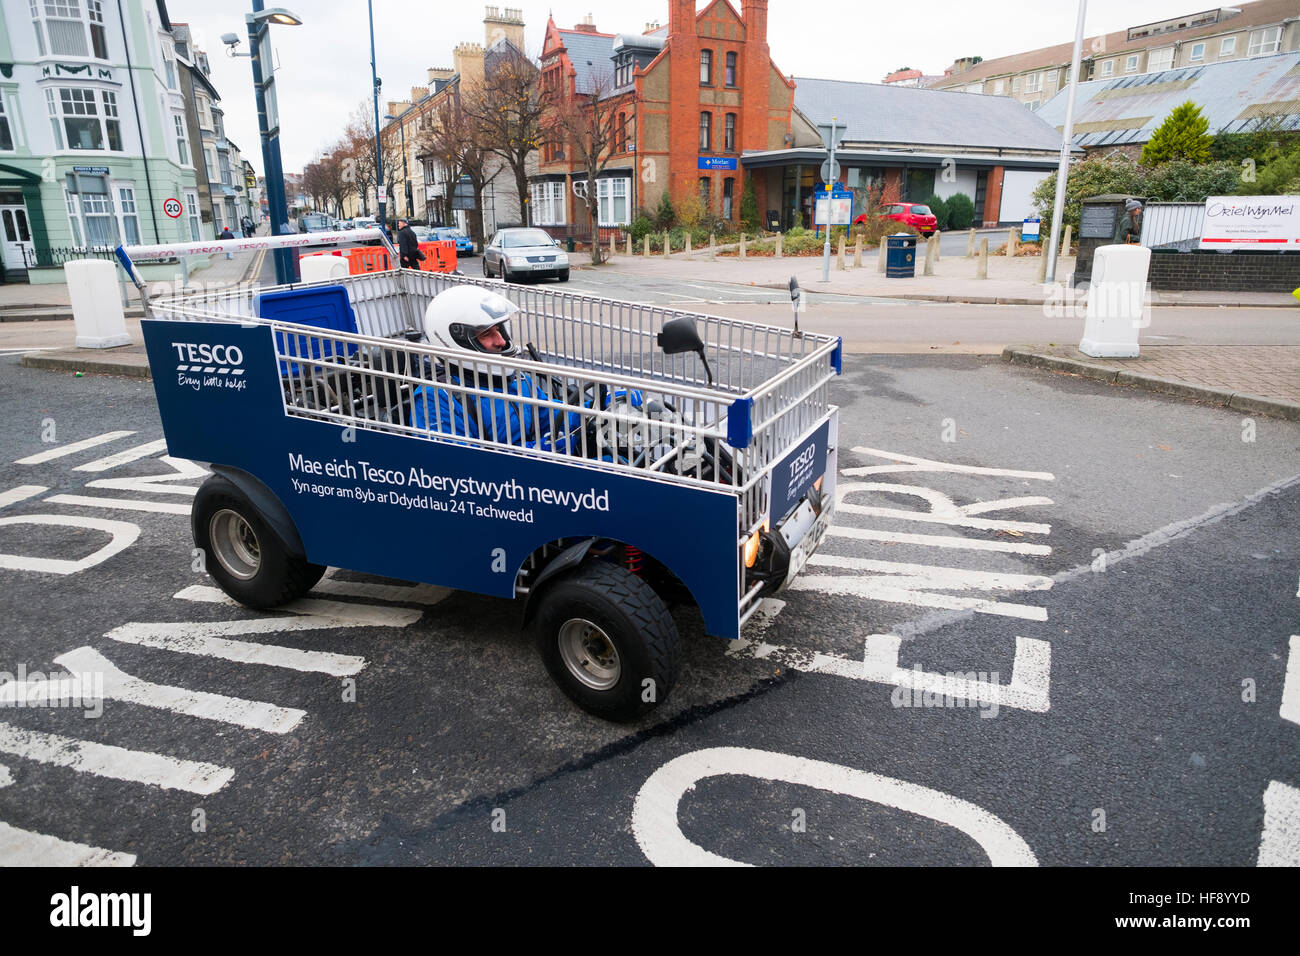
{"x": 1253, "y": 222}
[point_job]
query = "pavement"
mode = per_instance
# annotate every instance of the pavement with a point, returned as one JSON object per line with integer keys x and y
{"x": 1257, "y": 379}
{"x": 1010, "y": 281}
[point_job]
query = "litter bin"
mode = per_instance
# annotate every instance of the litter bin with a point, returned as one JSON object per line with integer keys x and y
{"x": 900, "y": 256}
{"x": 568, "y": 244}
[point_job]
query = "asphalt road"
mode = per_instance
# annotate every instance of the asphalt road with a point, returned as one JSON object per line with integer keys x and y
{"x": 1125, "y": 568}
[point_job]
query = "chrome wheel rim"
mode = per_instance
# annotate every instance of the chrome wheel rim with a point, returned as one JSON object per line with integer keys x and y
{"x": 589, "y": 654}
{"x": 235, "y": 544}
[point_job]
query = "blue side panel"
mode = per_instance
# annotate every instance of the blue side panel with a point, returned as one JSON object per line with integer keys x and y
{"x": 740, "y": 424}
{"x": 325, "y": 307}
{"x": 416, "y": 509}
{"x": 837, "y": 357}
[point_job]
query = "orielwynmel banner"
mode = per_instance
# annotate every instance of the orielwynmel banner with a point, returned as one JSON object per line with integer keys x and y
{"x": 1252, "y": 222}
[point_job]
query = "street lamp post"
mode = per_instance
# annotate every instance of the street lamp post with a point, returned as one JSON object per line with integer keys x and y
{"x": 379, "y": 153}
{"x": 268, "y": 124}
{"x": 406, "y": 176}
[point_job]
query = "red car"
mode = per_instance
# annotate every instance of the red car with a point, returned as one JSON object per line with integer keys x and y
{"x": 915, "y": 214}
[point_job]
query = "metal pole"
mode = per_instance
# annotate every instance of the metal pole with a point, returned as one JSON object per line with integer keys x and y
{"x": 826, "y": 246}
{"x": 284, "y": 271}
{"x": 406, "y": 176}
{"x": 1058, "y": 207}
{"x": 379, "y": 153}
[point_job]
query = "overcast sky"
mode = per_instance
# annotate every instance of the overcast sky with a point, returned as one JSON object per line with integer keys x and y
{"x": 324, "y": 65}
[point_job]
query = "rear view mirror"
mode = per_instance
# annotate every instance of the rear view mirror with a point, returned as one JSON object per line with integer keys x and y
{"x": 680, "y": 335}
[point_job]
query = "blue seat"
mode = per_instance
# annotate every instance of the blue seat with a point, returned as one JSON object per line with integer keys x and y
{"x": 322, "y": 307}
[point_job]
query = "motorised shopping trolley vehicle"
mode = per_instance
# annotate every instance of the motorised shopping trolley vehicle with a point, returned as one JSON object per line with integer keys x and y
{"x": 662, "y": 455}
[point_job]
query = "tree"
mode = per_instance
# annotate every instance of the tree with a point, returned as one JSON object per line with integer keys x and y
{"x": 359, "y": 143}
{"x": 666, "y": 213}
{"x": 961, "y": 211}
{"x": 1183, "y": 135}
{"x": 509, "y": 110}
{"x": 453, "y": 140}
{"x": 313, "y": 184}
{"x": 333, "y": 182}
{"x": 588, "y": 123}
{"x": 1280, "y": 177}
{"x": 749, "y": 206}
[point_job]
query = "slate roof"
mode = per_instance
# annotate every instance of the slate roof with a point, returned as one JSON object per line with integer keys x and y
{"x": 1231, "y": 95}
{"x": 911, "y": 116}
{"x": 590, "y": 54}
{"x": 1108, "y": 45}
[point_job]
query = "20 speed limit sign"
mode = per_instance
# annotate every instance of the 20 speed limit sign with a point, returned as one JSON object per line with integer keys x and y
{"x": 172, "y": 207}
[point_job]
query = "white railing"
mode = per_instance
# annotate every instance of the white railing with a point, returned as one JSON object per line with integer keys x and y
{"x": 1171, "y": 223}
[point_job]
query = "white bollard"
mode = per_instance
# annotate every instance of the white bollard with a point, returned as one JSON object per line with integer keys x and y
{"x": 321, "y": 267}
{"x": 96, "y": 304}
{"x": 1115, "y": 301}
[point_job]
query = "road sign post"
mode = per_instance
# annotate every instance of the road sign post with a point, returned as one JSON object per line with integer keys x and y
{"x": 831, "y": 133}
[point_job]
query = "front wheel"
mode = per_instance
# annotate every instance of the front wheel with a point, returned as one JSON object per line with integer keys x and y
{"x": 564, "y": 276}
{"x": 242, "y": 553}
{"x": 487, "y": 273}
{"x": 608, "y": 641}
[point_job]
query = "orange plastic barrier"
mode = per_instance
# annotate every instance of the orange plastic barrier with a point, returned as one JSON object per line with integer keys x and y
{"x": 368, "y": 259}
{"x": 439, "y": 256}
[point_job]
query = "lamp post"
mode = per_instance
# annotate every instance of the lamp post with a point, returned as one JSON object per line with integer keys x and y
{"x": 268, "y": 123}
{"x": 379, "y": 153}
{"x": 406, "y": 176}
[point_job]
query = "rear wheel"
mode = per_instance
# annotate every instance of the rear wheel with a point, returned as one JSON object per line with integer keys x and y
{"x": 608, "y": 641}
{"x": 242, "y": 552}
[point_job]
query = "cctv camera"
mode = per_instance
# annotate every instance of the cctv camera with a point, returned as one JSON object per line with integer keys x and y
{"x": 230, "y": 39}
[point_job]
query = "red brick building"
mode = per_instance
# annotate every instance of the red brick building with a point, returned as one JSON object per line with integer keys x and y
{"x": 691, "y": 97}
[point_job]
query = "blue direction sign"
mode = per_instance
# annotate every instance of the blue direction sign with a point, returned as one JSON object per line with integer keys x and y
{"x": 717, "y": 162}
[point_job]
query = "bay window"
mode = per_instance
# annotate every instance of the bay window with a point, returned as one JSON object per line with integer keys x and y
{"x": 6, "y": 134}
{"x": 192, "y": 213}
{"x": 127, "y": 219}
{"x": 182, "y": 142}
{"x": 611, "y": 194}
{"x": 92, "y": 217}
{"x": 85, "y": 118}
{"x": 63, "y": 30}
{"x": 547, "y": 200}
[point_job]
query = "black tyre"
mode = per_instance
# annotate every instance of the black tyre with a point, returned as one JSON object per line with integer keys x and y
{"x": 564, "y": 276}
{"x": 487, "y": 273}
{"x": 608, "y": 640}
{"x": 242, "y": 553}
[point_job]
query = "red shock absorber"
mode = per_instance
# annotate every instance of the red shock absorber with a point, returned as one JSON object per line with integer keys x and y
{"x": 632, "y": 557}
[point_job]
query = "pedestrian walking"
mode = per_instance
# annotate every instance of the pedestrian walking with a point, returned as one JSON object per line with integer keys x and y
{"x": 246, "y": 225}
{"x": 227, "y": 234}
{"x": 408, "y": 246}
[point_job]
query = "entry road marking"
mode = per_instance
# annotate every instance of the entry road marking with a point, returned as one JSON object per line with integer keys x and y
{"x": 123, "y": 457}
{"x": 60, "y": 450}
{"x": 655, "y": 810}
{"x": 25, "y": 848}
{"x": 102, "y": 760}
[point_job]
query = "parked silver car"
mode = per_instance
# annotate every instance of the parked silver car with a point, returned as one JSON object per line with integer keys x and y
{"x": 515, "y": 253}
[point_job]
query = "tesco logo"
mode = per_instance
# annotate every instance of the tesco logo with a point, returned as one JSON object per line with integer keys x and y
{"x": 203, "y": 353}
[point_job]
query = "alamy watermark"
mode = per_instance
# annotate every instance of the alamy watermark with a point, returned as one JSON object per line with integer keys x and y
{"x": 965, "y": 689}
{"x": 38, "y": 690}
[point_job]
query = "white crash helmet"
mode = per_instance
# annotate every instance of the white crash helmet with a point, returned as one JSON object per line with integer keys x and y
{"x": 457, "y": 317}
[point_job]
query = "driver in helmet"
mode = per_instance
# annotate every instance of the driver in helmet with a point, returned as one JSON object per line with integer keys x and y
{"x": 475, "y": 322}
